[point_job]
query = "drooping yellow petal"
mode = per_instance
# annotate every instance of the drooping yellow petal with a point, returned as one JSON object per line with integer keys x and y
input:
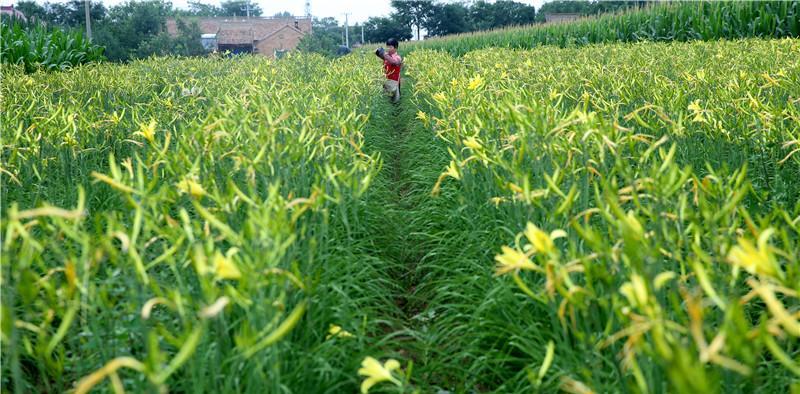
{"x": 632, "y": 226}
{"x": 512, "y": 260}
{"x": 635, "y": 290}
{"x": 475, "y": 82}
{"x": 376, "y": 373}
{"x": 337, "y": 331}
{"x": 662, "y": 279}
{"x": 224, "y": 268}
{"x": 452, "y": 170}
{"x": 541, "y": 241}
{"x": 191, "y": 187}
{"x": 148, "y": 131}
{"x": 755, "y": 260}
{"x": 472, "y": 143}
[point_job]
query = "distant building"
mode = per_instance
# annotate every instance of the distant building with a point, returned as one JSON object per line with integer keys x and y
{"x": 561, "y": 17}
{"x": 209, "y": 41}
{"x": 12, "y": 12}
{"x": 270, "y": 37}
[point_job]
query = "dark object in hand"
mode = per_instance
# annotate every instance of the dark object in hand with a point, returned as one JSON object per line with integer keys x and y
{"x": 379, "y": 52}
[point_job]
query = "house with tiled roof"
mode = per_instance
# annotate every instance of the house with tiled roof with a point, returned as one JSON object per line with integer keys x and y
{"x": 12, "y": 12}
{"x": 265, "y": 36}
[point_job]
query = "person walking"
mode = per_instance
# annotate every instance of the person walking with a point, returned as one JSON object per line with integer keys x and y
{"x": 392, "y": 63}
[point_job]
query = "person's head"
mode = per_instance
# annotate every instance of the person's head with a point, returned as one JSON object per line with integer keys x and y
{"x": 391, "y": 45}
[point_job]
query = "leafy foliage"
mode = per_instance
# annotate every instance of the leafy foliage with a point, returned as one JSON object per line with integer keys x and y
{"x": 35, "y": 47}
{"x": 380, "y": 29}
{"x": 325, "y": 38}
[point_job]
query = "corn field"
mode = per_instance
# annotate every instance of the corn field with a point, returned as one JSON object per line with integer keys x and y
{"x": 672, "y": 21}
{"x": 36, "y": 47}
{"x": 599, "y": 218}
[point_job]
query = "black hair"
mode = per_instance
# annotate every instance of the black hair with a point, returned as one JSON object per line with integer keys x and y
{"x": 393, "y": 42}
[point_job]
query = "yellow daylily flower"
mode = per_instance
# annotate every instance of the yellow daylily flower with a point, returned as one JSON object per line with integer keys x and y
{"x": 697, "y": 111}
{"x": 755, "y": 259}
{"x": 540, "y": 240}
{"x": 452, "y": 170}
{"x": 440, "y": 97}
{"x": 635, "y": 290}
{"x": 700, "y": 74}
{"x": 472, "y": 143}
{"x": 497, "y": 201}
{"x": 663, "y": 278}
{"x": 513, "y": 260}
{"x": 376, "y": 373}
{"x": 224, "y": 268}
{"x": 148, "y": 131}
{"x": 475, "y": 82}
{"x": 632, "y": 226}
{"x": 422, "y": 116}
{"x": 337, "y": 331}
{"x": 454, "y": 82}
{"x": 191, "y": 187}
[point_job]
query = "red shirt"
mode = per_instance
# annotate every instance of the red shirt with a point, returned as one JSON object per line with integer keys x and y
{"x": 392, "y": 71}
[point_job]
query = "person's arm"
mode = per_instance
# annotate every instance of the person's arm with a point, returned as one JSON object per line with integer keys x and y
{"x": 395, "y": 60}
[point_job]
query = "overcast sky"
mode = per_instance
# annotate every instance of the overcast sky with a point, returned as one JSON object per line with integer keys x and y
{"x": 359, "y": 10}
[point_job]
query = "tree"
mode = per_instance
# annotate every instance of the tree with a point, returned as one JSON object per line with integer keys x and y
{"x": 130, "y": 24}
{"x": 32, "y": 10}
{"x": 487, "y": 16}
{"x": 380, "y": 29}
{"x": 72, "y": 13}
{"x": 413, "y": 12}
{"x": 239, "y": 7}
{"x": 197, "y": 8}
{"x": 564, "y": 7}
{"x": 515, "y": 13}
{"x": 446, "y": 19}
{"x": 325, "y": 37}
{"x": 587, "y": 7}
{"x": 604, "y": 6}
{"x": 284, "y": 14}
{"x": 186, "y": 43}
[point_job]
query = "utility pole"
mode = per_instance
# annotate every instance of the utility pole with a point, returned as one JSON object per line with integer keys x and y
{"x": 346, "y": 31}
{"x": 87, "y": 7}
{"x": 246, "y": 8}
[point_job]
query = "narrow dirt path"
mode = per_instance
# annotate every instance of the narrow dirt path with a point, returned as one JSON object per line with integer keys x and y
{"x": 397, "y": 231}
